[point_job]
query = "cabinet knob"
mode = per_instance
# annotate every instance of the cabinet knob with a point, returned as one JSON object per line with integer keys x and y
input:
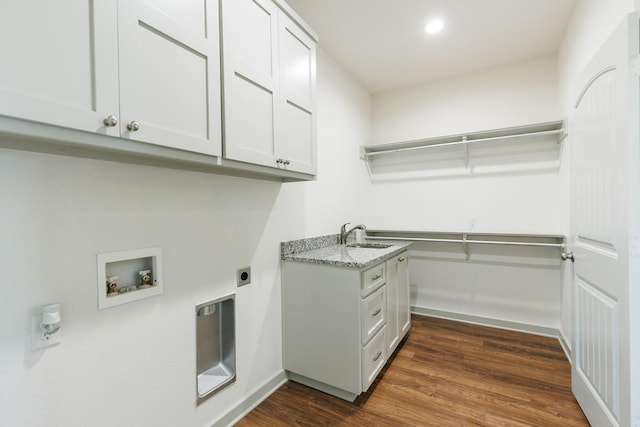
{"x": 133, "y": 126}
{"x": 110, "y": 121}
{"x": 287, "y": 162}
{"x": 279, "y": 161}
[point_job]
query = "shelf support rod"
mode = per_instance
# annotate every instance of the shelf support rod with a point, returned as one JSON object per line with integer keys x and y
{"x": 466, "y": 152}
{"x": 466, "y": 247}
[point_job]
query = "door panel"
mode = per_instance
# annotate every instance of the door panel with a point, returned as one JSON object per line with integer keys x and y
{"x": 297, "y": 138}
{"x": 169, "y": 79}
{"x": 603, "y": 215}
{"x": 404, "y": 305}
{"x": 250, "y": 80}
{"x": 392, "y": 305}
{"x": 65, "y": 73}
{"x": 297, "y": 99}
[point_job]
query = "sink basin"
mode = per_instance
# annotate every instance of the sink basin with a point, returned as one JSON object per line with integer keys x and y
{"x": 370, "y": 245}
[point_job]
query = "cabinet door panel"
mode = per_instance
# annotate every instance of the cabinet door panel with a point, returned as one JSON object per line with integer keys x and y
{"x": 188, "y": 13}
{"x": 392, "y": 305}
{"x": 297, "y": 138}
{"x": 254, "y": 131}
{"x": 66, "y": 72}
{"x": 404, "y": 295}
{"x": 297, "y": 64}
{"x": 250, "y": 35}
{"x": 169, "y": 80}
{"x": 297, "y": 97}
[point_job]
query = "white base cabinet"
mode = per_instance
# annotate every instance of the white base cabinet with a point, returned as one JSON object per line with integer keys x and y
{"x": 335, "y": 324}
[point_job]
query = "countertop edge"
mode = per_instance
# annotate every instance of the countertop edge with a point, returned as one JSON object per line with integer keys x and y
{"x": 378, "y": 256}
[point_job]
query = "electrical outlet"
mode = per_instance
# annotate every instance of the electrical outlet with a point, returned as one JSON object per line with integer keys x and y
{"x": 39, "y": 339}
{"x": 243, "y": 276}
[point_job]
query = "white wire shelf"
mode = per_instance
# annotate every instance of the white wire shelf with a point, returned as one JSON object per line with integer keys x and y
{"x": 517, "y": 148}
{"x": 537, "y": 130}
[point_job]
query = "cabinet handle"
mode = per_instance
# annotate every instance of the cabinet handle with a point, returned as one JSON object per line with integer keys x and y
{"x": 375, "y": 313}
{"x": 376, "y": 277}
{"x": 401, "y": 259}
{"x": 377, "y": 356}
{"x": 133, "y": 126}
{"x": 110, "y": 121}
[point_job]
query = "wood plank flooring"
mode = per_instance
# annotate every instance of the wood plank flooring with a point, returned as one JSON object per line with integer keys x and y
{"x": 446, "y": 373}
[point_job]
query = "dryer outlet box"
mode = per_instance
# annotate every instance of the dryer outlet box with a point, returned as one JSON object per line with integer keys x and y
{"x": 244, "y": 276}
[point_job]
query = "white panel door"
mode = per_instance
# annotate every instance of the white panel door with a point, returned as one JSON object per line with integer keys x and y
{"x": 170, "y": 75}
{"x": 250, "y": 47}
{"x": 297, "y": 63}
{"x": 60, "y": 62}
{"x": 605, "y": 191}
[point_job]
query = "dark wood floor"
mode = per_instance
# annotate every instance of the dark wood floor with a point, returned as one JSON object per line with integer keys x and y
{"x": 445, "y": 374}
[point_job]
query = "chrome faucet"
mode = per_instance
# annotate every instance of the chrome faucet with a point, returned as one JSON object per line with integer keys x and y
{"x": 344, "y": 233}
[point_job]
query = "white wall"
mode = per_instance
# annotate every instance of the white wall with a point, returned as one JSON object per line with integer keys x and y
{"x": 513, "y": 285}
{"x": 134, "y": 365}
{"x": 344, "y": 124}
{"x": 517, "y": 94}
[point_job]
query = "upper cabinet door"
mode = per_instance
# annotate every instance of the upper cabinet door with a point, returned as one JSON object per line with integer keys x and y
{"x": 250, "y": 49}
{"x": 297, "y": 142}
{"x": 170, "y": 74}
{"x": 59, "y": 62}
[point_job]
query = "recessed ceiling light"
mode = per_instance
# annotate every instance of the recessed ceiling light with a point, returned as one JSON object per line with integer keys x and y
{"x": 434, "y": 26}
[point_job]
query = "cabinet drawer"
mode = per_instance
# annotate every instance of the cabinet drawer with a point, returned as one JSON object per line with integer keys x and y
{"x": 373, "y": 314}
{"x": 372, "y": 279}
{"x": 373, "y": 358}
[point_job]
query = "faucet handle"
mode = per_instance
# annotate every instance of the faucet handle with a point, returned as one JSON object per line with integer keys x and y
{"x": 344, "y": 227}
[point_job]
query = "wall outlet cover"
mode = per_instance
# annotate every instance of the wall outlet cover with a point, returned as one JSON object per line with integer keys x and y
{"x": 243, "y": 276}
{"x": 38, "y": 338}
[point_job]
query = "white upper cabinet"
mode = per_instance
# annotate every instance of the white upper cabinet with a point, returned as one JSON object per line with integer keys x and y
{"x": 297, "y": 97}
{"x": 60, "y": 62}
{"x": 170, "y": 74}
{"x": 269, "y": 87}
{"x": 250, "y": 47}
{"x": 144, "y": 71}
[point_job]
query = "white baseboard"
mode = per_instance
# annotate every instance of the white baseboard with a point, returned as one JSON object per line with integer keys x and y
{"x": 565, "y": 346}
{"x": 486, "y": 321}
{"x": 253, "y": 400}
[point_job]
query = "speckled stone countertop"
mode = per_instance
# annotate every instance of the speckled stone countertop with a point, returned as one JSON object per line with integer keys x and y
{"x": 326, "y": 250}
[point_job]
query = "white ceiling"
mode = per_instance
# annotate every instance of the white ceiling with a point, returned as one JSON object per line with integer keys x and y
{"x": 383, "y": 45}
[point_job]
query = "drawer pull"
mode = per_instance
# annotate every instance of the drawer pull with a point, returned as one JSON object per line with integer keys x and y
{"x": 375, "y": 313}
{"x": 401, "y": 259}
{"x": 377, "y": 356}
{"x": 376, "y": 277}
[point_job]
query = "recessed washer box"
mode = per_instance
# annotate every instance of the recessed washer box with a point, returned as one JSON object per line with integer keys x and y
{"x": 215, "y": 346}
{"x": 127, "y": 276}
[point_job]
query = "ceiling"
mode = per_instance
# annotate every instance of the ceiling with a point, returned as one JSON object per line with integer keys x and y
{"x": 382, "y": 43}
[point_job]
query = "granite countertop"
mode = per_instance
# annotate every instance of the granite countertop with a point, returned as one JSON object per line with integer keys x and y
{"x": 325, "y": 250}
